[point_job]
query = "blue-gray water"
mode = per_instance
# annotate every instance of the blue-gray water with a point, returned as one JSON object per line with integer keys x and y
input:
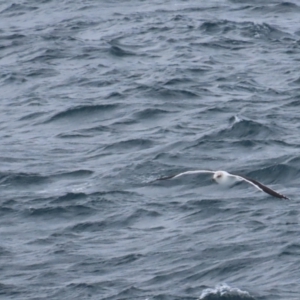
{"x": 98, "y": 98}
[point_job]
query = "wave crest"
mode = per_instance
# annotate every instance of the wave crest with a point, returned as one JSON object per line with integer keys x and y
{"x": 224, "y": 291}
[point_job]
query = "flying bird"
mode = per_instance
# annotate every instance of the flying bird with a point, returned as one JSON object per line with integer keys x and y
{"x": 225, "y": 178}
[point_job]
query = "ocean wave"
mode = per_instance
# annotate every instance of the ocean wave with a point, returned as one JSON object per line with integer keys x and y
{"x": 12, "y": 36}
{"x": 73, "y": 174}
{"x": 290, "y": 249}
{"x": 60, "y": 211}
{"x": 32, "y": 116}
{"x": 10, "y": 290}
{"x": 161, "y": 92}
{"x": 245, "y": 30}
{"x": 47, "y": 55}
{"x": 18, "y": 9}
{"x": 16, "y": 179}
{"x": 68, "y": 197}
{"x": 81, "y": 111}
{"x": 118, "y": 51}
{"x": 147, "y": 113}
{"x": 5, "y": 211}
{"x": 115, "y": 221}
{"x": 283, "y": 7}
{"x": 22, "y": 178}
{"x": 280, "y": 173}
{"x": 224, "y": 291}
{"x": 240, "y": 130}
{"x": 132, "y": 144}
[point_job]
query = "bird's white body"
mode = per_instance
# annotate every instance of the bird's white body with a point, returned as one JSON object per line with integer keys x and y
{"x": 223, "y": 177}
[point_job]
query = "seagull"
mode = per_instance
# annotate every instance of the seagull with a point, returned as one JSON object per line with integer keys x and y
{"x": 225, "y": 178}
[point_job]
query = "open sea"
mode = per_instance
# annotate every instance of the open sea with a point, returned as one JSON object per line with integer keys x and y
{"x": 100, "y": 98}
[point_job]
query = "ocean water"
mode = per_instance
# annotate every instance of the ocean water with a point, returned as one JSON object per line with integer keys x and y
{"x": 98, "y": 99}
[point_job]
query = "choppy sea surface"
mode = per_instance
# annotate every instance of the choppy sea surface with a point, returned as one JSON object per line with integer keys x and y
{"x": 98, "y": 99}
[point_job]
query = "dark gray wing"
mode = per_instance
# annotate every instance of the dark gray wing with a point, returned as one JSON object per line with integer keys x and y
{"x": 263, "y": 188}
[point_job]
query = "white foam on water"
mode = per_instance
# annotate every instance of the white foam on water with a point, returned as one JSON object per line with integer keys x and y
{"x": 225, "y": 291}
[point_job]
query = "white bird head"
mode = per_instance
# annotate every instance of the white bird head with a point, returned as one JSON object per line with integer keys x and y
{"x": 221, "y": 177}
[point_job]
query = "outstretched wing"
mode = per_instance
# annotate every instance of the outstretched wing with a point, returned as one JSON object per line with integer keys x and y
{"x": 261, "y": 187}
{"x": 184, "y": 173}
